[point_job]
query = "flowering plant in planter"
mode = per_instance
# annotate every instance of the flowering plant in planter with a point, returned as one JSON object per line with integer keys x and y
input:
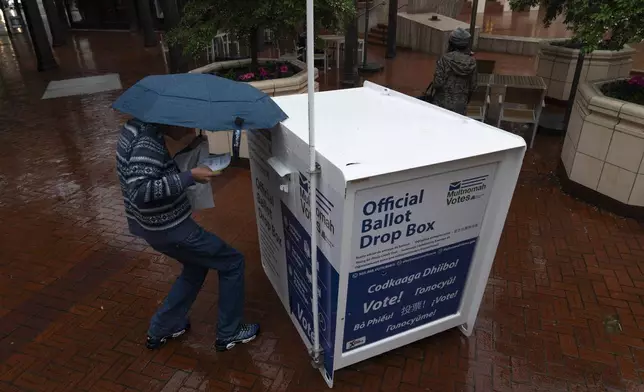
{"x": 265, "y": 71}
{"x": 629, "y": 90}
{"x": 637, "y": 81}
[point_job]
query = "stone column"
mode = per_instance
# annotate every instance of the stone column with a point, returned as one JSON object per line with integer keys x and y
{"x": 481, "y": 7}
{"x": 7, "y": 22}
{"x": 44, "y": 56}
{"x": 62, "y": 14}
{"x": 56, "y": 27}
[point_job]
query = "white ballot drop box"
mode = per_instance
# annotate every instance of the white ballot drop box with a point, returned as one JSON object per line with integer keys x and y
{"x": 411, "y": 202}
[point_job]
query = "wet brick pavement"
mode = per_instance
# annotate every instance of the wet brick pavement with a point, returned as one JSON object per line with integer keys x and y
{"x": 562, "y": 311}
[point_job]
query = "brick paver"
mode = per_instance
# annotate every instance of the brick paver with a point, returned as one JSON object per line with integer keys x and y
{"x": 562, "y": 311}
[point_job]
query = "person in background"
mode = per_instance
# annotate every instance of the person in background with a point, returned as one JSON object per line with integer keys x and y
{"x": 158, "y": 210}
{"x": 455, "y": 77}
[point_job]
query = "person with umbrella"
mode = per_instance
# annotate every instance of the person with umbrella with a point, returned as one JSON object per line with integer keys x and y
{"x": 158, "y": 210}
{"x": 154, "y": 192}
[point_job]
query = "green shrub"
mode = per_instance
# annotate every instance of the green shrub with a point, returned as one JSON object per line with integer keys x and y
{"x": 597, "y": 24}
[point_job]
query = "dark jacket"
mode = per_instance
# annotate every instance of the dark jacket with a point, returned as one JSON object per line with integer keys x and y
{"x": 454, "y": 81}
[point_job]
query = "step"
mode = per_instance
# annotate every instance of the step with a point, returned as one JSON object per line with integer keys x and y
{"x": 371, "y": 42}
{"x": 376, "y": 41}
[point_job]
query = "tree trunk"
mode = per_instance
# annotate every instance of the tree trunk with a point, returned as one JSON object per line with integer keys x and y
{"x": 132, "y": 15}
{"x": 58, "y": 32}
{"x": 254, "y": 48}
{"x": 350, "y": 74}
{"x": 573, "y": 90}
{"x": 392, "y": 22}
{"x": 149, "y": 36}
{"x": 44, "y": 56}
{"x": 475, "y": 5}
{"x": 171, "y": 20}
{"x": 170, "y": 14}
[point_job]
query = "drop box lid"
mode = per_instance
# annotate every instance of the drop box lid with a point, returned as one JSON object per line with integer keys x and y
{"x": 373, "y": 130}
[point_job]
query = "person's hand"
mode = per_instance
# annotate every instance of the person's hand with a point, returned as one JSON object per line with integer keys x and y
{"x": 202, "y": 174}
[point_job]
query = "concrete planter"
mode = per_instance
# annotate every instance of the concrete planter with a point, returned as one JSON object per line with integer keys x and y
{"x": 220, "y": 142}
{"x": 420, "y": 32}
{"x": 449, "y": 8}
{"x": 556, "y": 65}
{"x": 604, "y": 146}
{"x": 522, "y": 46}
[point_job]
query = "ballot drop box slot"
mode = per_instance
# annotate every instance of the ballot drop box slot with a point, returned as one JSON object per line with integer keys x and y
{"x": 411, "y": 201}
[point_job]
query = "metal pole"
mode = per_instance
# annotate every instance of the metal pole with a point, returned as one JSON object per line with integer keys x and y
{"x": 475, "y": 6}
{"x": 573, "y": 88}
{"x": 313, "y": 173}
{"x": 392, "y": 25}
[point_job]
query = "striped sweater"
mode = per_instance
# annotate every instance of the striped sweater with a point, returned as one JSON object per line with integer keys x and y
{"x": 156, "y": 204}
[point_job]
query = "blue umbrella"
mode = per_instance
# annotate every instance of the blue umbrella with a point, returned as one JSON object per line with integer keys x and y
{"x": 200, "y": 101}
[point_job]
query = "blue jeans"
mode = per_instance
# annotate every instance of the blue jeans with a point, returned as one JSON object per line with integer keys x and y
{"x": 199, "y": 253}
